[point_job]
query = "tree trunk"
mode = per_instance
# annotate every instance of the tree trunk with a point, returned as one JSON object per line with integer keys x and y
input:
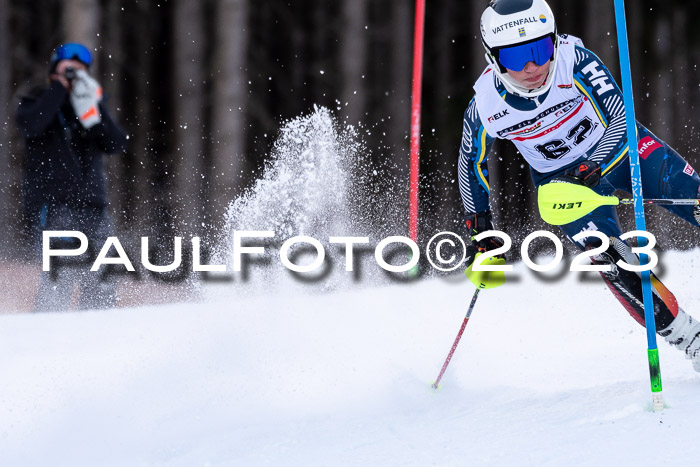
{"x": 8, "y": 216}
{"x": 353, "y": 50}
{"x": 663, "y": 121}
{"x": 600, "y": 20}
{"x": 228, "y": 162}
{"x": 113, "y": 60}
{"x": 401, "y": 69}
{"x": 139, "y": 172}
{"x": 81, "y": 22}
{"x": 189, "y": 101}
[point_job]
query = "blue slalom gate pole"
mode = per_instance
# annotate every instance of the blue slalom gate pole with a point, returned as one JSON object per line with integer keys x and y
{"x": 625, "y": 72}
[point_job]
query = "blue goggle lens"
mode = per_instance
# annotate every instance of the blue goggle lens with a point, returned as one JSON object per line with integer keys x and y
{"x": 73, "y": 52}
{"x": 516, "y": 57}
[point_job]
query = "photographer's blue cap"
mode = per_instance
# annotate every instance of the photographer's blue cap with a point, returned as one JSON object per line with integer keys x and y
{"x": 70, "y": 51}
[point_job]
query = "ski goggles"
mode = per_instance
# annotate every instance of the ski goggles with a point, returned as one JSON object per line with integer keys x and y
{"x": 516, "y": 57}
{"x": 72, "y": 51}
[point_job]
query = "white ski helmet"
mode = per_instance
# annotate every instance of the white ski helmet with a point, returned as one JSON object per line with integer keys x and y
{"x": 515, "y": 32}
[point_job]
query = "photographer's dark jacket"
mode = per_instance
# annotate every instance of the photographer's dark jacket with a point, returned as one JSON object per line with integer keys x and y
{"x": 63, "y": 165}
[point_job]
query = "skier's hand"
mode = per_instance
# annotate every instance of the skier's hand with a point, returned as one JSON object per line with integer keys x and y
{"x": 84, "y": 97}
{"x": 586, "y": 173}
{"x": 476, "y": 224}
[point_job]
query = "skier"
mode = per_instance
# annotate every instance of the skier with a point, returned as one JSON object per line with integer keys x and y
{"x": 558, "y": 103}
{"x": 67, "y": 130}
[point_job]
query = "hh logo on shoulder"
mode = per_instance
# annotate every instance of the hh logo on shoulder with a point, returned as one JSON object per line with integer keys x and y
{"x": 599, "y": 79}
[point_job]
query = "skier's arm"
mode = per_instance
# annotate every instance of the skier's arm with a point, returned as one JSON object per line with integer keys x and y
{"x": 472, "y": 168}
{"x": 595, "y": 81}
{"x": 35, "y": 114}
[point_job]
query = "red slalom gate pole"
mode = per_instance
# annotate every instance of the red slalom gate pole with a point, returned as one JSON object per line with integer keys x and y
{"x": 415, "y": 119}
{"x": 459, "y": 336}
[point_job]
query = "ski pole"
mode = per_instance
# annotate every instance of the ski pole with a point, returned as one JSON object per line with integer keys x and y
{"x": 459, "y": 336}
{"x": 482, "y": 279}
{"x": 664, "y": 201}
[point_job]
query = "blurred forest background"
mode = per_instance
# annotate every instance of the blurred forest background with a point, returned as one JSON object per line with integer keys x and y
{"x": 202, "y": 88}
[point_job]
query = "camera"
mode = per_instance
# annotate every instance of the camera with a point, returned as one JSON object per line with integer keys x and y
{"x": 69, "y": 73}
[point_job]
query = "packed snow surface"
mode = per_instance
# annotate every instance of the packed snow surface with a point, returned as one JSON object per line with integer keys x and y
{"x": 547, "y": 373}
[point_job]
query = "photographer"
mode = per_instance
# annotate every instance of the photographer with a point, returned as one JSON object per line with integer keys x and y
{"x": 67, "y": 131}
